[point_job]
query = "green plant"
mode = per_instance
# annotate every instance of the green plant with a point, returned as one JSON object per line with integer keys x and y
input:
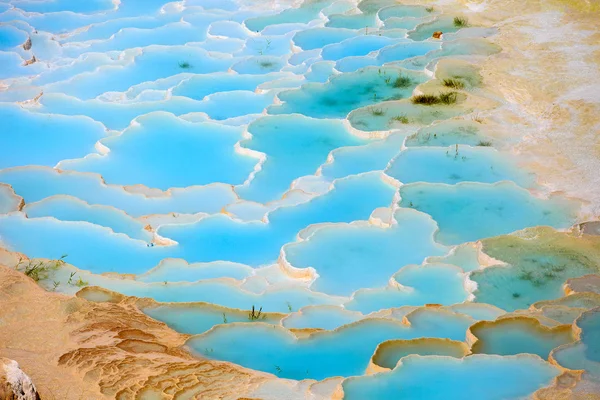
{"x": 460, "y": 22}
{"x": 184, "y": 65}
{"x": 266, "y": 64}
{"x": 55, "y": 285}
{"x": 278, "y": 369}
{"x": 429, "y": 9}
{"x": 40, "y": 270}
{"x": 81, "y": 283}
{"x": 289, "y": 306}
{"x": 70, "y": 281}
{"x": 448, "y": 98}
{"x": 484, "y": 143}
{"x": 454, "y": 83}
{"x": 224, "y": 318}
{"x": 425, "y": 99}
{"x": 377, "y": 112}
{"x": 401, "y": 118}
{"x": 402, "y": 82}
{"x": 254, "y": 316}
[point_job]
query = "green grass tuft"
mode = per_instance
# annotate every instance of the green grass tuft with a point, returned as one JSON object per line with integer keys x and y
{"x": 377, "y": 112}
{"x": 266, "y": 64}
{"x": 402, "y": 82}
{"x": 255, "y": 316}
{"x": 184, "y": 65}
{"x": 401, "y": 118}
{"x": 460, "y": 22}
{"x": 484, "y": 143}
{"x": 448, "y": 98}
{"x": 429, "y": 9}
{"x": 430, "y": 99}
{"x": 454, "y": 83}
{"x": 425, "y": 99}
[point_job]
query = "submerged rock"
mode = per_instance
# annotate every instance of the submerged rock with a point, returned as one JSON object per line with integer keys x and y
{"x": 14, "y": 383}
{"x": 27, "y": 44}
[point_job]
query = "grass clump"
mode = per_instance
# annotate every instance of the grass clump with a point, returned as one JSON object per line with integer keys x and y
{"x": 403, "y": 119}
{"x": 460, "y": 22}
{"x": 454, "y": 83}
{"x": 40, "y": 270}
{"x": 185, "y": 65}
{"x": 402, "y": 82}
{"x": 484, "y": 143}
{"x": 425, "y": 99}
{"x": 256, "y": 315}
{"x": 448, "y": 98}
{"x": 266, "y": 64}
{"x": 377, "y": 112}
{"x": 429, "y": 9}
{"x": 430, "y": 99}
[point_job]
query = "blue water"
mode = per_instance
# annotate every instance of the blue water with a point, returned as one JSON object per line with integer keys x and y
{"x": 477, "y": 377}
{"x": 216, "y": 155}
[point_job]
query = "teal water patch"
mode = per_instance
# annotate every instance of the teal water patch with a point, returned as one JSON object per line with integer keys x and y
{"x": 389, "y": 353}
{"x": 477, "y": 377}
{"x": 403, "y": 49}
{"x": 442, "y": 23}
{"x": 356, "y": 46}
{"x": 471, "y": 211}
{"x": 35, "y": 184}
{"x": 29, "y": 138}
{"x": 373, "y": 156}
{"x": 515, "y": 336}
{"x": 213, "y": 238}
{"x": 320, "y": 317}
{"x": 257, "y": 243}
{"x": 584, "y": 354}
{"x": 414, "y": 286}
{"x": 75, "y": 6}
{"x": 317, "y": 38}
{"x": 396, "y": 114}
{"x": 455, "y": 164}
{"x": 199, "y": 318}
{"x": 354, "y": 256}
{"x": 67, "y": 208}
{"x": 346, "y": 92}
{"x": 178, "y": 270}
{"x": 11, "y": 37}
{"x": 450, "y": 133}
{"x": 8, "y": 200}
{"x": 199, "y": 86}
{"x": 308, "y": 11}
{"x": 538, "y": 263}
{"x": 153, "y": 63}
{"x": 295, "y": 146}
{"x": 163, "y": 151}
{"x": 322, "y": 355}
{"x": 118, "y": 116}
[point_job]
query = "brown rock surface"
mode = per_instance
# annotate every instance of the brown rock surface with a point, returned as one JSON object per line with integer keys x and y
{"x": 76, "y": 349}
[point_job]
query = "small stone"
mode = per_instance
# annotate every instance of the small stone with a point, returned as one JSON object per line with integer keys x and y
{"x": 14, "y": 383}
{"x": 27, "y": 44}
{"x": 437, "y": 34}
